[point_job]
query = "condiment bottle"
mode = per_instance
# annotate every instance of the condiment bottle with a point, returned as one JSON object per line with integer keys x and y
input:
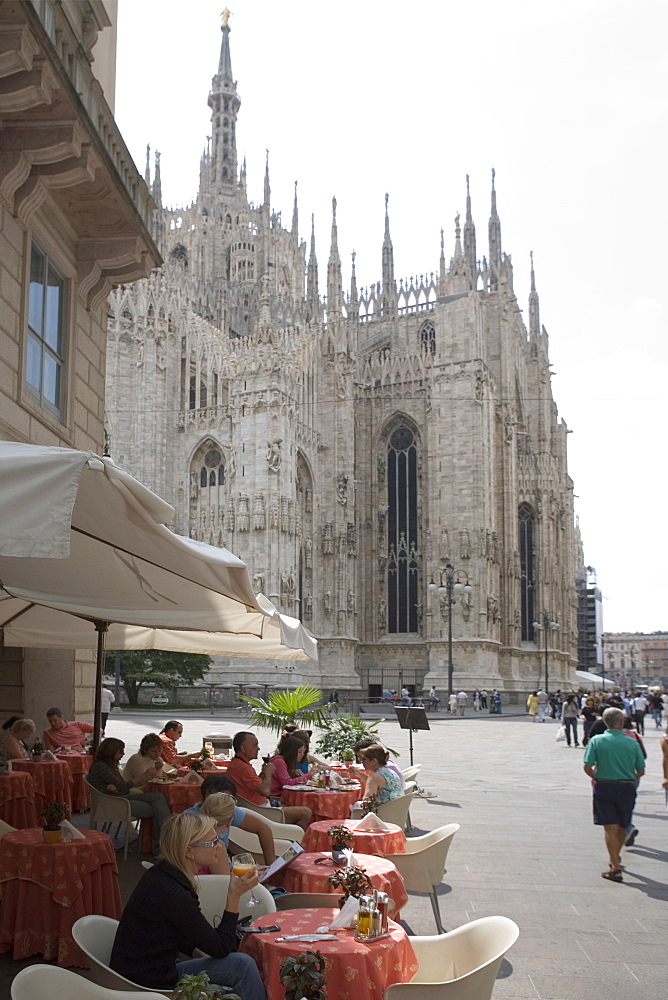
{"x": 364, "y": 916}
{"x": 383, "y": 905}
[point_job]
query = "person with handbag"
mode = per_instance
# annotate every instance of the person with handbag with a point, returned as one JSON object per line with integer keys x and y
{"x": 570, "y": 711}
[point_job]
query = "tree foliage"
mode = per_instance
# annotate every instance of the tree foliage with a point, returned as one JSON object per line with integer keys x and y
{"x": 281, "y": 707}
{"x": 155, "y": 666}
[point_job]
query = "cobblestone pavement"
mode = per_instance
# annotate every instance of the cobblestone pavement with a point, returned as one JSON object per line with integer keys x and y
{"x": 526, "y": 849}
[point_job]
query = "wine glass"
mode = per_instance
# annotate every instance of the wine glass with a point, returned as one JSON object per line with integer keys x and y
{"x": 242, "y": 863}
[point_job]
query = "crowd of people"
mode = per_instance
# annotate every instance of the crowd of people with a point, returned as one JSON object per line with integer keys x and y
{"x": 587, "y": 708}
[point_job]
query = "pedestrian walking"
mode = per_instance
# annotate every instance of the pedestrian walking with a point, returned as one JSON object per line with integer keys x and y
{"x": 497, "y": 702}
{"x": 656, "y": 708}
{"x": 483, "y": 699}
{"x": 638, "y": 705}
{"x": 476, "y": 701}
{"x": 543, "y": 700}
{"x": 462, "y": 699}
{"x": 532, "y": 705}
{"x": 452, "y": 703}
{"x": 589, "y": 716}
{"x": 570, "y": 711}
{"x": 107, "y": 700}
{"x": 631, "y": 829}
{"x": 433, "y": 697}
{"x": 406, "y": 695}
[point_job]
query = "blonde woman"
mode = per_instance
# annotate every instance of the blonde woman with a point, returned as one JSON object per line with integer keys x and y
{"x": 219, "y": 808}
{"x": 163, "y": 917}
{"x": 14, "y": 745}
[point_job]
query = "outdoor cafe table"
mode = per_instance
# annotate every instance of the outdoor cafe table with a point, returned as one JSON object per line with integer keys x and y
{"x": 309, "y": 872}
{"x": 180, "y": 795}
{"x": 17, "y": 800}
{"x": 52, "y": 780}
{"x": 358, "y": 969}
{"x": 324, "y": 803}
{"x": 79, "y": 764}
{"x": 380, "y": 842}
{"x": 47, "y": 887}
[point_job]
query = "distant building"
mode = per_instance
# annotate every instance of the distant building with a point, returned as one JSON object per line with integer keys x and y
{"x": 633, "y": 658}
{"x": 74, "y": 221}
{"x": 590, "y": 629}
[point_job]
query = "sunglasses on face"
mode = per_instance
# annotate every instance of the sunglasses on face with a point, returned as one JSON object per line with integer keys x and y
{"x": 207, "y": 843}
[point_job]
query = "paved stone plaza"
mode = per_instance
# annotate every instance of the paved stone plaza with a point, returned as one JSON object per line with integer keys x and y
{"x": 527, "y": 849}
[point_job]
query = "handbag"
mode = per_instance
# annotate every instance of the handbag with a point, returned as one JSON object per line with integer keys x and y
{"x": 561, "y": 734}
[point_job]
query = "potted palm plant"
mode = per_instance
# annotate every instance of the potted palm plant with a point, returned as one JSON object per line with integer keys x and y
{"x": 53, "y": 814}
{"x": 302, "y": 976}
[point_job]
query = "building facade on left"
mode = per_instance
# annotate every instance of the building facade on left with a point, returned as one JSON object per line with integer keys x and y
{"x": 75, "y": 219}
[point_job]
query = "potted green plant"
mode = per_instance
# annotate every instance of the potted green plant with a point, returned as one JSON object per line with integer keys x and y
{"x": 341, "y": 837}
{"x": 200, "y": 987}
{"x": 37, "y": 750}
{"x": 352, "y": 882}
{"x": 343, "y": 732}
{"x": 302, "y": 976}
{"x": 53, "y": 814}
{"x": 348, "y": 755}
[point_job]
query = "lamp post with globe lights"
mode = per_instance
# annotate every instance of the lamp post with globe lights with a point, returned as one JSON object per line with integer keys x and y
{"x": 546, "y": 624}
{"x": 446, "y": 589}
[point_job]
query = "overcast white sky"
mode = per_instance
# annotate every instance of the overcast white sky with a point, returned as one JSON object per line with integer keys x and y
{"x": 566, "y": 100}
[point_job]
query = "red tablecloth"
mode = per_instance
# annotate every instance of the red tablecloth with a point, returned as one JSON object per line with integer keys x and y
{"x": 79, "y": 764}
{"x": 52, "y": 780}
{"x": 324, "y": 803}
{"x": 180, "y": 795}
{"x": 305, "y": 875}
{"x": 47, "y": 887}
{"x": 17, "y": 800}
{"x": 380, "y": 842}
{"x": 353, "y": 968}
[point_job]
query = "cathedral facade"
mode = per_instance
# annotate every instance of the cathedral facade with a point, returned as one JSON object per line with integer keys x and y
{"x": 356, "y": 448}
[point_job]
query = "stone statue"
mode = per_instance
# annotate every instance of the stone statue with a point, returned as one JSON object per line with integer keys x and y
{"x": 258, "y": 583}
{"x": 342, "y": 490}
{"x": 328, "y": 603}
{"x": 382, "y": 614}
{"x": 274, "y": 456}
{"x": 464, "y": 545}
{"x": 328, "y": 538}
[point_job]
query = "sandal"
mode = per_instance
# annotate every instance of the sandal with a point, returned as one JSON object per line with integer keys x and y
{"x": 613, "y": 875}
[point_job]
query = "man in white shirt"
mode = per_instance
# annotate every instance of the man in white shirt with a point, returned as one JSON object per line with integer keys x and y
{"x": 107, "y": 701}
{"x": 462, "y": 699}
{"x": 638, "y": 708}
{"x": 542, "y": 704}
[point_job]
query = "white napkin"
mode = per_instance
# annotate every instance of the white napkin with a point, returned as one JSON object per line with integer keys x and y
{"x": 334, "y": 779}
{"x": 192, "y": 777}
{"x": 351, "y": 860}
{"x": 71, "y": 832}
{"x": 347, "y": 917}
{"x": 48, "y": 755}
{"x": 370, "y": 822}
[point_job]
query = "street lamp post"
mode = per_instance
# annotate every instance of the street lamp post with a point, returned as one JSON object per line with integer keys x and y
{"x": 446, "y": 590}
{"x": 546, "y": 622}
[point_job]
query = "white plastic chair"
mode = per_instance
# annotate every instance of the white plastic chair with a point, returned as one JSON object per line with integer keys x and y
{"x": 267, "y": 812}
{"x": 394, "y": 811}
{"x": 95, "y": 934}
{"x": 108, "y": 809}
{"x": 460, "y": 965}
{"x": 6, "y": 828}
{"x": 44, "y": 982}
{"x": 423, "y": 865}
{"x": 283, "y": 833}
{"x": 411, "y": 772}
{"x": 301, "y": 900}
{"x": 213, "y": 893}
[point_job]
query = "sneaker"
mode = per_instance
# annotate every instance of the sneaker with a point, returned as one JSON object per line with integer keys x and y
{"x": 630, "y": 837}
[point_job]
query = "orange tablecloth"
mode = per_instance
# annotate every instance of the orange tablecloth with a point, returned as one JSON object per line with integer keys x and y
{"x": 46, "y": 887}
{"x": 324, "y": 803}
{"x": 17, "y": 800}
{"x": 180, "y": 795}
{"x": 380, "y": 842}
{"x": 52, "y": 780}
{"x": 79, "y": 764}
{"x": 353, "y": 968}
{"x": 304, "y": 874}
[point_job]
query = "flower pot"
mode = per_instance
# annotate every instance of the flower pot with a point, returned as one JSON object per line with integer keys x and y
{"x": 51, "y": 836}
{"x": 36, "y": 756}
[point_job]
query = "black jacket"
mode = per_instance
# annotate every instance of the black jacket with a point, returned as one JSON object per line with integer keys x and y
{"x": 161, "y": 919}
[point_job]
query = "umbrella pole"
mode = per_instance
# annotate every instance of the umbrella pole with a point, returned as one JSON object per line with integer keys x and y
{"x": 101, "y": 628}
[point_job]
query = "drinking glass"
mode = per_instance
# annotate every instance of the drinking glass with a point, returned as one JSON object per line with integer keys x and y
{"x": 242, "y": 863}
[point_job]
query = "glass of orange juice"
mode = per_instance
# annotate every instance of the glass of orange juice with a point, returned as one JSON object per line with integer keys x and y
{"x": 242, "y": 863}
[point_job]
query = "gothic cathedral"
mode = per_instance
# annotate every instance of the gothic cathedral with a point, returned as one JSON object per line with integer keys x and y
{"x": 353, "y": 448}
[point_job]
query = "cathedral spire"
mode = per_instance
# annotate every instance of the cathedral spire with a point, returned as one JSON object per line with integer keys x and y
{"x": 312, "y": 294}
{"x": 534, "y": 312}
{"x": 441, "y": 267}
{"x": 458, "y": 240}
{"x": 494, "y": 230}
{"x": 266, "y": 204}
{"x": 147, "y": 171}
{"x": 334, "y": 282}
{"x": 224, "y": 103}
{"x": 295, "y": 220}
{"x": 353, "y": 311}
{"x": 388, "y": 284}
{"x": 156, "y": 189}
{"x": 470, "y": 252}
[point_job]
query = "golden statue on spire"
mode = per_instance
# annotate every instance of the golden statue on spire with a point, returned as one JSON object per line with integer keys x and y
{"x": 225, "y": 17}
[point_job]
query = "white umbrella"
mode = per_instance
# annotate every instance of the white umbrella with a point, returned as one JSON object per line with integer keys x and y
{"x": 83, "y": 545}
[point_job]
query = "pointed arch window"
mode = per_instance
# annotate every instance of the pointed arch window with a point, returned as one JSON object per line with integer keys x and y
{"x": 428, "y": 338}
{"x": 213, "y": 470}
{"x": 526, "y": 531}
{"x": 402, "y": 532}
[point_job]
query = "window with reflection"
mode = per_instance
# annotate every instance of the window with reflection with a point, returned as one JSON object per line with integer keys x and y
{"x": 45, "y": 343}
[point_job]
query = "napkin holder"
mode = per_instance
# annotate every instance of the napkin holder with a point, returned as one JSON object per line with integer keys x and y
{"x": 70, "y": 832}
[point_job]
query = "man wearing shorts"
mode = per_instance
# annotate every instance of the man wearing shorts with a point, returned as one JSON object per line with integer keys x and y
{"x": 614, "y": 763}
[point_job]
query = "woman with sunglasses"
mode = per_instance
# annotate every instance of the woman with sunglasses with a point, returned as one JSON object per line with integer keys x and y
{"x": 383, "y": 785}
{"x": 163, "y": 918}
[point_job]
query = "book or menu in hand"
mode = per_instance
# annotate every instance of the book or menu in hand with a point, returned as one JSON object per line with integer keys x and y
{"x": 283, "y": 860}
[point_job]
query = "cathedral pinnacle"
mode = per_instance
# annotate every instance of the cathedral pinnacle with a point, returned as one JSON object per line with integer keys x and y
{"x": 534, "y": 312}
{"x": 494, "y": 230}
{"x": 295, "y": 219}
{"x": 470, "y": 253}
{"x": 225, "y": 61}
{"x": 388, "y": 284}
{"x": 334, "y": 281}
{"x": 147, "y": 172}
{"x": 224, "y": 103}
{"x": 267, "y": 189}
{"x": 312, "y": 293}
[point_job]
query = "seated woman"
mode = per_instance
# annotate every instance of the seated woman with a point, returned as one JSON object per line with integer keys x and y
{"x": 163, "y": 917}
{"x": 359, "y": 748}
{"x": 148, "y": 756}
{"x": 219, "y": 808}
{"x": 14, "y": 745}
{"x": 383, "y": 784}
{"x": 292, "y": 751}
{"x": 106, "y": 777}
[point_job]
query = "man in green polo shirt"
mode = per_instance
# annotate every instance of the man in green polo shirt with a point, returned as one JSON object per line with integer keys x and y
{"x": 615, "y": 764}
